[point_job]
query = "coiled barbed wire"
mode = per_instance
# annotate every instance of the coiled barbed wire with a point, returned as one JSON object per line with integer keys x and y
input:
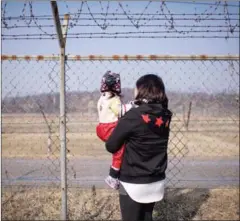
{"x": 74, "y": 16}
{"x": 126, "y": 19}
{"x": 206, "y": 12}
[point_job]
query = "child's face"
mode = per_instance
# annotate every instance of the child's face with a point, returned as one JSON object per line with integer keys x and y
{"x": 135, "y": 92}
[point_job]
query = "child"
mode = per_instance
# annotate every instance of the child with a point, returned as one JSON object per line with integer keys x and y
{"x": 110, "y": 109}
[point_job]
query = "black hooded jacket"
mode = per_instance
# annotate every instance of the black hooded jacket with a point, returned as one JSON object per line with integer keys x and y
{"x": 145, "y": 132}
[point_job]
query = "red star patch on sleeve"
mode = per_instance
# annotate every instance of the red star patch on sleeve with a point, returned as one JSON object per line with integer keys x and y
{"x": 159, "y": 121}
{"x": 146, "y": 118}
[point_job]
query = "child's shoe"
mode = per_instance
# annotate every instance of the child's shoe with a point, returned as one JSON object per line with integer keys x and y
{"x": 112, "y": 182}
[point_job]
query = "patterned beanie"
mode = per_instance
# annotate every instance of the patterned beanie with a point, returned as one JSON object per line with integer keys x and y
{"x": 111, "y": 82}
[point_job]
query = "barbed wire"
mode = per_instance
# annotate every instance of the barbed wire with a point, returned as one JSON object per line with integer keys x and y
{"x": 34, "y": 20}
{"x": 122, "y": 15}
{"x": 114, "y": 14}
{"x": 117, "y": 33}
{"x": 3, "y": 18}
{"x": 74, "y": 16}
{"x": 136, "y": 25}
{"x": 227, "y": 18}
{"x": 201, "y": 3}
{"x": 208, "y": 14}
{"x": 181, "y": 18}
{"x": 125, "y": 25}
{"x": 149, "y": 36}
{"x": 31, "y": 17}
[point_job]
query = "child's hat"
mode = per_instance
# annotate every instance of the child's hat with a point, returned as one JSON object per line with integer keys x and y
{"x": 111, "y": 82}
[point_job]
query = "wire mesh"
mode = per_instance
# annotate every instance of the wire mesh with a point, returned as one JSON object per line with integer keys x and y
{"x": 30, "y": 138}
{"x": 203, "y": 92}
{"x": 204, "y": 141}
{"x": 203, "y": 97}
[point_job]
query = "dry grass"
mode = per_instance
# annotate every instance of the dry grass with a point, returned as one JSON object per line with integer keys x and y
{"x": 101, "y": 204}
{"x": 88, "y": 145}
{"x": 26, "y": 136}
{"x": 204, "y": 145}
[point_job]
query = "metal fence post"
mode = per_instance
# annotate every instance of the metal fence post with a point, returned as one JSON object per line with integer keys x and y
{"x": 63, "y": 137}
{"x": 62, "y": 32}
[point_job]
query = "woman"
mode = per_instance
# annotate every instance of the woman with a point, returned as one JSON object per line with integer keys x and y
{"x": 145, "y": 132}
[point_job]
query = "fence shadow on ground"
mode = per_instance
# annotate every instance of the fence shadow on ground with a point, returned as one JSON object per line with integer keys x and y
{"x": 43, "y": 203}
{"x": 181, "y": 204}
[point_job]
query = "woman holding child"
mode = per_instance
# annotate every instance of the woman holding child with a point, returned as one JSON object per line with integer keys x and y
{"x": 139, "y": 137}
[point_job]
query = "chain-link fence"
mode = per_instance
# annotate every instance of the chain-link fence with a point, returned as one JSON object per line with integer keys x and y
{"x": 203, "y": 95}
{"x": 203, "y": 151}
{"x": 30, "y": 137}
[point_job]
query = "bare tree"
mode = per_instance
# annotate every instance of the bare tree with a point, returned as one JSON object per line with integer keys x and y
{"x": 186, "y": 121}
{"x": 49, "y": 139}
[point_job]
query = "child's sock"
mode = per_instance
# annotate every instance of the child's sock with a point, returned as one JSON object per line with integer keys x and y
{"x": 112, "y": 182}
{"x": 112, "y": 179}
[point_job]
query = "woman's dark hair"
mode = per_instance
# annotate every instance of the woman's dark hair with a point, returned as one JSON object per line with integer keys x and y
{"x": 151, "y": 89}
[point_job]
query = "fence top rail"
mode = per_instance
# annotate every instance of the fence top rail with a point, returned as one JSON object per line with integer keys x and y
{"x": 120, "y": 57}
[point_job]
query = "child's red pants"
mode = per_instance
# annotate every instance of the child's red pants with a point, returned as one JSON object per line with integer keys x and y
{"x": 104, "y": 130}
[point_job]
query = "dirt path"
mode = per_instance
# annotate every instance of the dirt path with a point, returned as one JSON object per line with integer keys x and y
{"x": 88, "y": 172}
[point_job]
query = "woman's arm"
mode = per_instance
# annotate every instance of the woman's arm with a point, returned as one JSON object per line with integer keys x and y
{"x": 121, "y": 133}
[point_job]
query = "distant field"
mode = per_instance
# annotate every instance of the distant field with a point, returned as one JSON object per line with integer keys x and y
{"x": 27, "y": 136}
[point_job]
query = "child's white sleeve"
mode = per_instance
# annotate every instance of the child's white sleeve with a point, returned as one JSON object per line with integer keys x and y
{"x": 99, "y": 106}
{"x": 124, "y": 108}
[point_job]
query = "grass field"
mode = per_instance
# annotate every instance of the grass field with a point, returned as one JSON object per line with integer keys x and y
{"x": 101, "y": 204}
{"x": 27, "y": 136}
